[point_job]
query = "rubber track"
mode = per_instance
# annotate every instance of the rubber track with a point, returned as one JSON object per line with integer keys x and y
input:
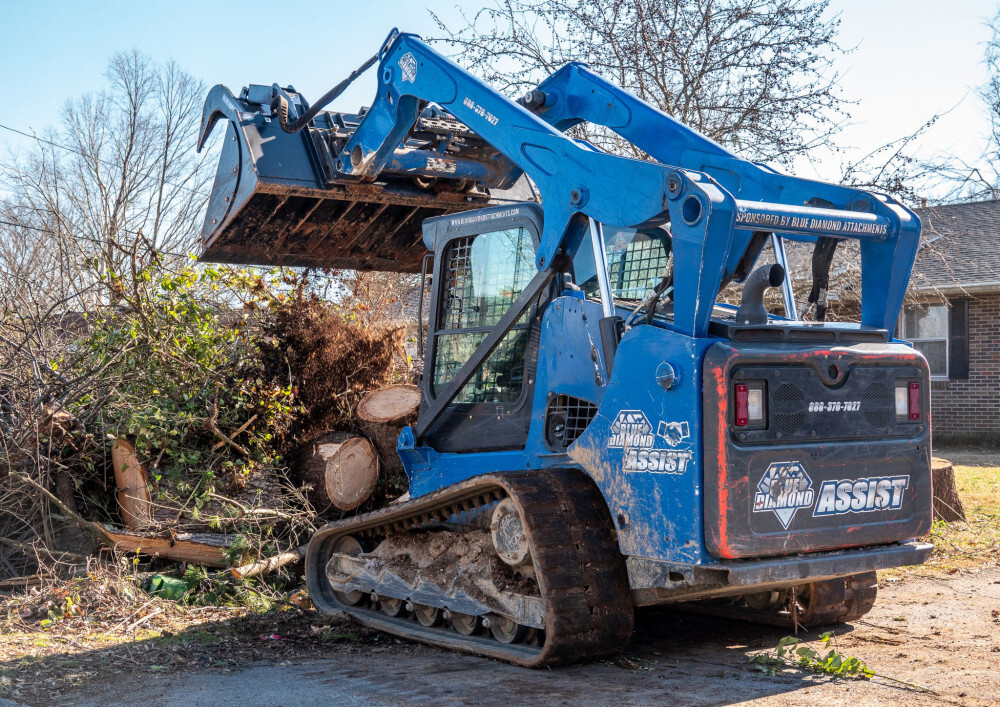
{"x": 580, "y": 571}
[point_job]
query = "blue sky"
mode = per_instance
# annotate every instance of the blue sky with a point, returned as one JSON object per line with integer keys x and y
{"x": 913, "y": 58}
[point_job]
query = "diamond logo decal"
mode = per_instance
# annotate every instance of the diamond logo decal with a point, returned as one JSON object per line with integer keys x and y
{"x": 409, "y": 66}
{"x": 784, "y": 489}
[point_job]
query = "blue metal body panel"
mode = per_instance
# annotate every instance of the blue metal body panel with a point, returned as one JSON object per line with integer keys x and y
{"x": 661, "y": 512}
{"x": 643, "y": 447}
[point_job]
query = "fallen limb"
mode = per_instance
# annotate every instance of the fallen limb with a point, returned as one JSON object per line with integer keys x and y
{"x": 147, "y": 617}
{"x": 212, "y": 427}
{"x": 32, "y": 580}
{"x": 29, "y": 548}
{"x": 268, "y": 564}
{"x": 235, "y": 434}
{"x": 197, "y": 548}
{"x": 245, "y": 512}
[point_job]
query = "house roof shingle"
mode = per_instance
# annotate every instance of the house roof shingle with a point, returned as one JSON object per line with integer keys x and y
{"x": 960, "y": 247}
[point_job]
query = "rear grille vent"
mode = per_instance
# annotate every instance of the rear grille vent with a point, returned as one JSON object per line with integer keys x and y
{"x": 566, "y": 419}
{"x": 878, "y": 418}
{"x": 789, "y": 423}
{"x": 788, "y": 393}
{"x": 879, "y": 410}
{"x": 877, "y": 391}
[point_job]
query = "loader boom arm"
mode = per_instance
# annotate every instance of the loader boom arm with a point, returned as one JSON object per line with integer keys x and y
{"x": 574, "y": 94}
{"x": 713, "y": 199}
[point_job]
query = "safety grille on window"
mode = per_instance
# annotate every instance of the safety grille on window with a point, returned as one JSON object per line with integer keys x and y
{"x": 635, "y": 269}
{"x": 500, "y": 378}
{"x": 484, "y": 277}
{"x": 566, "y": 419}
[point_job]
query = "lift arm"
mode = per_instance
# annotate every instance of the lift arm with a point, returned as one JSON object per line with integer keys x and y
{"x": 890, "y": 233}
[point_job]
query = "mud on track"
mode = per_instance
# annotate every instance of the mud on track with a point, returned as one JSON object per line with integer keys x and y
{"x": 938, "y": 632}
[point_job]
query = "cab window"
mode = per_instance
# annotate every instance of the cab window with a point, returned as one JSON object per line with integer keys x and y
{"x": 636, "y": 262}
{"x": 482, "y": 276}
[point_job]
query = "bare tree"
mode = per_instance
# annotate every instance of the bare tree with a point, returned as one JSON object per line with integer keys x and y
{"x": 755, "y": 75}
{"x": 894, "y": 168}
{"x": 945, "y": 177}
{"x": 114, "y": 184}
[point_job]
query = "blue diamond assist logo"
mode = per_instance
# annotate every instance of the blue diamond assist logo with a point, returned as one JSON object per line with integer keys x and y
{"x": 784, "y": 489}
{"x": 631, "y": 430}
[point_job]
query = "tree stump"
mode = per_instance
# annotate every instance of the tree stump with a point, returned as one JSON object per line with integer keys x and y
{"x": 131, "y": 482}
{"x": 947, "y": 504}
{"x": 342, "y": 470}
{"x": 382, "y": 415}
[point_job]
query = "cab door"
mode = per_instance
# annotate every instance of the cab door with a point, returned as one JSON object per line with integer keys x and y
{"x": 484, "y": 259}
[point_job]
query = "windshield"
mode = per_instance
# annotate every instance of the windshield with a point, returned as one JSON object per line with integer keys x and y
{"x": 637, "y": 260}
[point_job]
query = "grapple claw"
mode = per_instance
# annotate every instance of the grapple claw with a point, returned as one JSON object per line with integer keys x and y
{"x": 280, "y": 199}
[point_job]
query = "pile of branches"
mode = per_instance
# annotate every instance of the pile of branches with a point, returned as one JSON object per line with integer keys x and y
{"x": 213, "y": 376}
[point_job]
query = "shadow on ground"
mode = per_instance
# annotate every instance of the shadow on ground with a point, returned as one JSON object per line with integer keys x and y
{"x": 300, "y": 658}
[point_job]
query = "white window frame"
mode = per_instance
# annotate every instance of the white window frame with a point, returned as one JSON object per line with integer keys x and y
{"x": 947, "y": 343}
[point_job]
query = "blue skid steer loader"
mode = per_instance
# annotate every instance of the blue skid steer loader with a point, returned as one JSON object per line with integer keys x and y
{"x": 596, "y": 431}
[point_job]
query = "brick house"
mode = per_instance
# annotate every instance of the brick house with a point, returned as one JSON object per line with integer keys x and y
{"x": 956, "y": 280}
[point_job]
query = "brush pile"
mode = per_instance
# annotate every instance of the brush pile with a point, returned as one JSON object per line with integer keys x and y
{"x": 172, "y": 421}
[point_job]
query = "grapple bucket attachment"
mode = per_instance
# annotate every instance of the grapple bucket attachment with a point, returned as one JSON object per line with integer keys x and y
{"x": 279, "y": 200}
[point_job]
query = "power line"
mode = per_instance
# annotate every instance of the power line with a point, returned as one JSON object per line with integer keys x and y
{"x": 82, "y": 237}
{"x": 24, "y": 225}
{"x": 86, "y": 156}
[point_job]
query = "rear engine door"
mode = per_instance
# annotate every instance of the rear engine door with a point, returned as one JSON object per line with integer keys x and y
{"x": 810, "y": 450}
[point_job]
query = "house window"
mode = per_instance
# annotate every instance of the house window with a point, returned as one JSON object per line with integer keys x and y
{"x": 926, "y": 327}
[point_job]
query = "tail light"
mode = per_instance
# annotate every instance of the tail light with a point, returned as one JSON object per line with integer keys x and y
{"x": 749, "y": 405}
{"x": 914, "y": 400}
{"x": 908, "y": 401}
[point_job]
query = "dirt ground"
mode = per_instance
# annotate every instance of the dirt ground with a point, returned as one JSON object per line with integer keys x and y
{"x": 932, "y": 638}
{"x": 941, "y": 633}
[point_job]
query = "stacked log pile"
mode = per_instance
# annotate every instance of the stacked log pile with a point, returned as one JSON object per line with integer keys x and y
{"x": 343, "y": 469}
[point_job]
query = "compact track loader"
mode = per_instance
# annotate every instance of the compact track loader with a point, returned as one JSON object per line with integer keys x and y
{"x": 596, "y": 432}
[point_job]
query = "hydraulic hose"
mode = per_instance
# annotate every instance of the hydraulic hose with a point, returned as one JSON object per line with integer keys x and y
{"x": 280, "y": 105}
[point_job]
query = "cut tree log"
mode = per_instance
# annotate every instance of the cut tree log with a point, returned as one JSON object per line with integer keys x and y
{"x": 342, "y": 470}
{"x": 947, "y": 503}
{"x": 382, "y": 415}
{"x": 311, "y": 467}
{"x": 352, "y": 471}
{"x": 133, "y": 489}
{"x": 198, "y": 548}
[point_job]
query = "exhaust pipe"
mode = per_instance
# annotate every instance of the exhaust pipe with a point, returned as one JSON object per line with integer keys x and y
{"x": 752, "y": 310}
